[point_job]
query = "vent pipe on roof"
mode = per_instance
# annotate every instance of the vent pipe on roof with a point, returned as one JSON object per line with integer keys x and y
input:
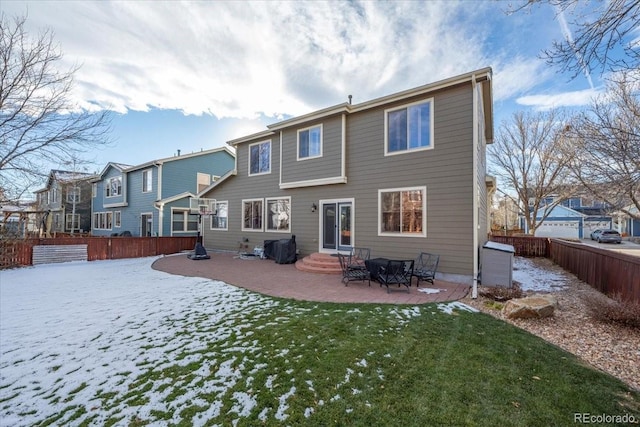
{"x": 350, "y": 99}
{"x": 178, "y": 153}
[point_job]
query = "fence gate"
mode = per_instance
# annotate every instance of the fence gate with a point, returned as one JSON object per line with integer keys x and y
{"x": 46, "y": 254}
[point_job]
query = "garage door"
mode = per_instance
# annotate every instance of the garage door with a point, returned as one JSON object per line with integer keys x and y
{"x": 566, "y": 229}
{"x": 590, "y": 226}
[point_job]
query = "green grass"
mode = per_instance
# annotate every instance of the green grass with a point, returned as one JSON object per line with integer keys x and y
{"x": 369, "y": 365}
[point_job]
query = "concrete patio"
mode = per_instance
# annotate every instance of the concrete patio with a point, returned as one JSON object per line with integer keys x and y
{"x": 285, "y": 281}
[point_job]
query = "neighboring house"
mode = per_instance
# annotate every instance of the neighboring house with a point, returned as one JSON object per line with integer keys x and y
{"x": 152, "y": 199}
{"x": 66, "y": 202}
{"x": 573, "y": 218}
{"x": 628, "y": 224}
{"x": 400, "y": 174}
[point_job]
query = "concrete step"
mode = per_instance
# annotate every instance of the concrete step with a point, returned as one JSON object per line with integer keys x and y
{"x": 319, "y": 263}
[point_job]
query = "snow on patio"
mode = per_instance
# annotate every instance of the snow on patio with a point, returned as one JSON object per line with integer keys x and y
{"x": 75, "y": 338}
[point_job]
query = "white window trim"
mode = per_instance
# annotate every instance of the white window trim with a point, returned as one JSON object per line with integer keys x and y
{"x": 266, "y": 202}
{"x": 321, "y": 142}
{"x": 216, "y": 210}
{"x": 149, "y": 181}
{"x": 404, "y": 107}
{"x": 424, "y": 212}
{"x": 268, "y": 141}
{"x": 108, "y": 187}
{"x": 118, "y": 215}
{"x": 186, "y": 215}
{"x": 104, "y": 214}
{"x": 67, "y": 223}
{"x": 262, "y": 225}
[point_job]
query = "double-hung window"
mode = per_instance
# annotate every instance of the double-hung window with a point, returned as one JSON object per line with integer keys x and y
{"x": 73, "y": 194}
{"x": 310, "y": 142}
{"x": 147, "y": 180}
{"x": 220, "y": 215}
{"x": 409, "y": 128}
{"x": 260, "y": 158}
{"x": 278, "y": 216}
{"x": 181, "y": 221}
{"x": 402, "y": 212}
{"x": 114, "y": 186}
{"x": 252, "y": 215}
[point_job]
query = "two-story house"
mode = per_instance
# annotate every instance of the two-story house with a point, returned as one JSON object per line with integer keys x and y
{"x": 400, "y": 174}
{"x": 152, "y": 199}
{"x": 66, "y": 202}
{"x": 571, "y": 218}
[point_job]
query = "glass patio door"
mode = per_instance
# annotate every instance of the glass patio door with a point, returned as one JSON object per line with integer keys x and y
{"x": 337, "y": 218}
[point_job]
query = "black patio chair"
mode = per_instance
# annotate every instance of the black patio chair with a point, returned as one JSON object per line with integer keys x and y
{"x": 425, "y": 267}
{"x": 350, "y": 274}
{"x": 396, "y": 272}
{"x": 358, "y": 257}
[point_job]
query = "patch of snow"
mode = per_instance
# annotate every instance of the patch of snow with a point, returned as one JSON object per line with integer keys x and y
{"x": 533, "y": 278}
{"x": 430, "y": 290}
{"x": 448, "y": 308}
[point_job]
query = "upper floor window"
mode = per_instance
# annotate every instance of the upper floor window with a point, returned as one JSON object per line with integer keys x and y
{"x": 409, "y": 128}
{"x": 310, "y": 142}
{"x": 219, "y": 217}
{"x": 402, "y": 211}
{"x": 260, "y": 158}
{"x": 73, "y": 194}
{"x": 252, "y": 215}
{"x": 278, "y": 214}
{"x": 147, "y": 180}
{"x": 114, "y": 186}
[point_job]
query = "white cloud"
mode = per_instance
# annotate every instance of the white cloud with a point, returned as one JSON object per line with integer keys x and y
{"x": 579, "y": 98}
{"x": 246, "y": 59}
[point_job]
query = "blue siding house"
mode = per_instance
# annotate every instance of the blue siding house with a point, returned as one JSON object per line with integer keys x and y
{"x": 152, "y": 199}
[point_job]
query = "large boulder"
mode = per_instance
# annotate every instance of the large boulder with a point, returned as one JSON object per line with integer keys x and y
{"x": 533, "y": 307}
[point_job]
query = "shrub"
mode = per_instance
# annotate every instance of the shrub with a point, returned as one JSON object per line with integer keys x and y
{"x": 499, "y": 293}
{"x": 613, "y": 310}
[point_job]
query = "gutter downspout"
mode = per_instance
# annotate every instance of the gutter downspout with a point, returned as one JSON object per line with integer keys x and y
{"x": 160, "y": 206}
{"x": 476, "y": 190}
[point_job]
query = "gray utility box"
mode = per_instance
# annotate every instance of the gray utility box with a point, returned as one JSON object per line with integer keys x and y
{"x": 496, "y": 265}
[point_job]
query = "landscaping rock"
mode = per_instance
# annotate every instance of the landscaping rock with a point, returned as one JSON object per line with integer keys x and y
{"x": 533, "y": 307}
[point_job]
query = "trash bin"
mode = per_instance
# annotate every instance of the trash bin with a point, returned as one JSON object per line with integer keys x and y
{"x": 496, "y": 265}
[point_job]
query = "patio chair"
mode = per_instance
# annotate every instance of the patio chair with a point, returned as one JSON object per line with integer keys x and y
{"x": 358, "y": 257}
{"x": 396, "y": 272}
{"x": 425, "y": 267}
{"x": 350, "y": 274}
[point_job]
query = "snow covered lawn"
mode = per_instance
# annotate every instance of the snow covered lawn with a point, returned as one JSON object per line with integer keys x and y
{"x": 118, "y": 343}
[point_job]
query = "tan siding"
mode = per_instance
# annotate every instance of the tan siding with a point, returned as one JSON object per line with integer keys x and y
{"x": 446, "y": 171}
{"x": 327, "y": 166}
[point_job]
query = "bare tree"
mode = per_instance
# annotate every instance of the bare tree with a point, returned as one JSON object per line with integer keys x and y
{"x": 39, "y": 123}
{"x": 601, "y": 30}
{"x": 527, "y": 158}
{"x": 605, "y": 148}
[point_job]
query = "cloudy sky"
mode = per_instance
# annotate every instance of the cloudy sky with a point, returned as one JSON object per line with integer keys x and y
{"x": 192, "y": 75}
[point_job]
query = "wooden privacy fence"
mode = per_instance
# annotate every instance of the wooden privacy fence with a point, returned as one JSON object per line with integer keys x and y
{"x": 608, "y": 271}
{"x": 15, "y": 253}
{"x": 527, "y": 246}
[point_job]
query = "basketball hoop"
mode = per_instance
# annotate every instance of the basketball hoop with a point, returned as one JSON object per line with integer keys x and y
{"x": 203, "y": 207}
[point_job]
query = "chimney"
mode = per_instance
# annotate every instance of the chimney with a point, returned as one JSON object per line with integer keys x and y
{"x": 178, "y": 153}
